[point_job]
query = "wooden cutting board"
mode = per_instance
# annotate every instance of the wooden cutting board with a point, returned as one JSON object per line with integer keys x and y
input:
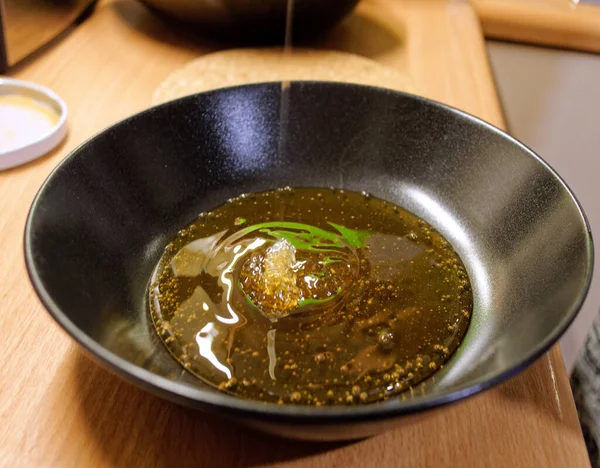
{"x": 58, "y": 408}
{"x": 557, "y": 23}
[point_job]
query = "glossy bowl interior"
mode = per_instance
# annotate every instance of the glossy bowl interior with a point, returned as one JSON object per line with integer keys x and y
{"x": 101, "y": 220}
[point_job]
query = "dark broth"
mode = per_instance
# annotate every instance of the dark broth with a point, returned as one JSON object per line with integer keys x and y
{"x": 310, "y": 296}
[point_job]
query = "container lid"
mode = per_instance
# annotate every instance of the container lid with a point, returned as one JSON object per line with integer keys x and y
{"x": 33, "y": 121}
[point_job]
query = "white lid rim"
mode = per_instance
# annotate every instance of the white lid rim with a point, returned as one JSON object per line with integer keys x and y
{"x": 45, "y": 143}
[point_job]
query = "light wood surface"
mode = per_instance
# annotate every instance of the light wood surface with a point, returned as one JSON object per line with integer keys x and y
{"x": 556, "y": 23}
{"x": 58, "y": 408}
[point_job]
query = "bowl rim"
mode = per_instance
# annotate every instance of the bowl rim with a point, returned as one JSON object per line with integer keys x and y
{"x": 210, "y": 400}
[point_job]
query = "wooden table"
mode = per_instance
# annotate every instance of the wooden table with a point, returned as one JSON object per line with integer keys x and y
{"x": 57, "y": 408}
{"x": 556, "y": 23}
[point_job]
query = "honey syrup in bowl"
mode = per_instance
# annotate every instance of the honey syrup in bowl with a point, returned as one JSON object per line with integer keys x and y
{"x": 311, "y": 297}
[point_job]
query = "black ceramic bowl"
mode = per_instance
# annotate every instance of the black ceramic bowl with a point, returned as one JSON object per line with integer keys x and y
{"x": 101, "y": 220}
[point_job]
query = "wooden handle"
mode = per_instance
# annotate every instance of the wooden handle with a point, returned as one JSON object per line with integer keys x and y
{"x": 556, "y": 23}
